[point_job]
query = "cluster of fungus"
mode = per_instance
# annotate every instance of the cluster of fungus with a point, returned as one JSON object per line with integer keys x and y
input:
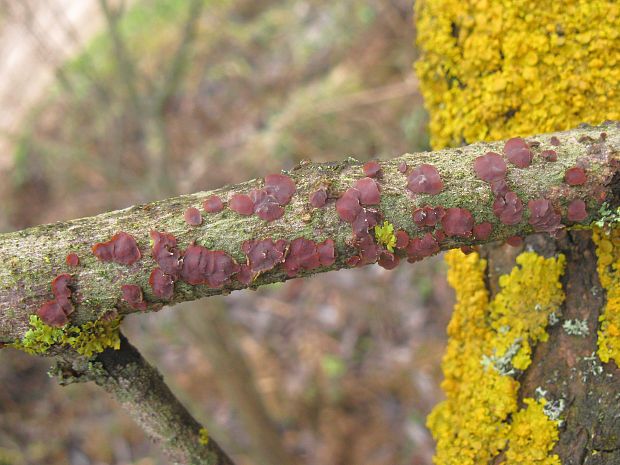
{"x": 353, "y": 206}
{"x": 56, "y": 312}
{"x": 267, "y": 203}
{"x": 121, "y": 248}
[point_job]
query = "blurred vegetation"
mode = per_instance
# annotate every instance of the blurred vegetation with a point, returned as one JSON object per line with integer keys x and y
{"x": 165, "y": 101}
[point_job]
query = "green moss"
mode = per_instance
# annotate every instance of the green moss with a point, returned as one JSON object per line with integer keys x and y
{"x": 88, "y": 339}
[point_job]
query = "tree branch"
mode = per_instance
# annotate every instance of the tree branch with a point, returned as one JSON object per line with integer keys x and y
{"x": 32, "y": 258}
{"x": 142, "y": 392}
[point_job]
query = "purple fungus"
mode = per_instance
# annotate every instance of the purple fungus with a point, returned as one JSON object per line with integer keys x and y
{"x": 508, "y": 208}
{"x": 121, "y": 248}
{"x": 369, "y": 250}
{"x": 365, "y": 220}
{"x": 211, "y": 267}
{"x": 166, "y": 253}
{"x": 327, "y": 252}
{"x": 245, "y": 275}
{"x": 51, "y": 314}
{"x": 518, "y": 152}
{"x": 369, "y": 191}
{"x": 482, "y": 231}
{"x": 515, "y": 241}
{"x": 577, "y": 211}
{"x": 388, "y": 260}
{"x": 213, "y": 204}
{"x": 242, "y": 204}
{"x": 372, "y": 169}
{"x": 62, "y": 293}
{"x": 440, "y": 236}
{"x": 543, "y": 217}
{"x": 428, "y": 216}
{"x": 554, "y": 141}
{"x": 264, "y": 255}
{"x": 467, "y": 249}
{"x": 266, "y": 206}
{"x": 162, "y": 284}
{"x": 575, "y": 176}
{"x": 72, "y": 259}
{"x": 499, "y": 186}
{"x": 318, "y": 198}
{"x": 424, "y": 179}
{"x": 402, "y": 167}
{"x": 348, "y": 205}
{"x": 132, "y": 294}
{"x": 193, "y": 217}
{"x": 281, "y": 187}
{"x": 457, "y": 222}
{"x": 549, "y": 155}
{"x": 402, "y": 239}
{"x": 302, "y": 255}
{"x": 490, "y": 167}
{"x": 353, "y": 261}
{"x": 420, "y": 248}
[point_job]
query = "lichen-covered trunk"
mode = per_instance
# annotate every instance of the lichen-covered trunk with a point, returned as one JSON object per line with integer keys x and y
{"x": 530, "y": 370}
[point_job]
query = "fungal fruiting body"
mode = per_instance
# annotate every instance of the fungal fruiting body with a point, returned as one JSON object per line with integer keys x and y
{"x": 121, "y": 248}
{"x": 72, "y": 259}
{"x": 490, "y": 167}
{"x": 482, "y": 231}
{"x": 318, "y": 198}
{"x": 263, "y": 255}
{"x": 424, "y": 179}
{"x": 508, "y": 208}
{"x": 242, "y": 204}
{"x": 543, "y": 217}
{"x": 428, "y": 216}
{"x": 193, "y": 217}
{"x": 352, "y": 206}
{"x": 305, "y": 254}
{"x": 268, "y": 202}
{"x": 518, "y": 152}
{"x": 213, "y": 204}
{"x": 577, "y": 211}
{"x": 132, "y": 294}
{"x": 549, "y": 155}
{"x": 575, "y": 176}
{"x": 55, "y": 312}
{"x": 458, "y": 222}
{"x": 211, "y": 267}
{"x": 166, "y": 253}
{"x": 372, "y": 169}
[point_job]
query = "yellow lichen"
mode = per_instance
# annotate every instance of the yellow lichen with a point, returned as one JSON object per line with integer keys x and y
{"x": 385, "y": 235}
{"x": 203, "y": 436}
{"x": 490, "y": 70}
{"x": 608, "y": 253}
{"x": 88, "y": 339}
{"x": 488, "y": 341}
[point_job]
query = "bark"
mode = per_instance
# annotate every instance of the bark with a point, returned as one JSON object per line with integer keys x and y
{"x": 32, "y": 258}
{"x": 141, "y": 391}
{"x": 566, "y": 366}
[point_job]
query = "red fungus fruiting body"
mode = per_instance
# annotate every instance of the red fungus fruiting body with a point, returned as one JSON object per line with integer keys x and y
{"x": 55, "y": 312}
{"x": 365, "y": 220}
{"x": 514, "y": 241}
{"x": 348, "y": 205}
{"x": 242, "y": 204}
{"x": 369, "y": 191}
{"x": 281, "y": 187}
{"x": 549, "y": 155}
{"x": 193, "y": 216}
{"x": 162, "y": 284}
{"x": 420, "y": 248}
{"x": 482, "y": 231}
{"x": 132, "y": 294}
{"x": 211, "y": 267}
{"x": 554, "y": 141}
{"x": 166, "y": 253}
{"x": 266, "y": 206}
{"x": 388, "y": 260}
{"x": 264, "y": 255}
{"x": 402, "y": 239}
{"x": 72, "y": 259}
{"x": 213, "y": 204}
{"x": 543, "y": 217}
{"x": 372, "y": 169}
{"x": 518, "y": 152}
{"x": 577, "y": 210}
{"x": 575, "y": 176}
{"x": 467, "y": 249}
{"x": 121, "y": 248}
{"x": 424, "y": 179}
{"x": 458, "y": 222}
{"x": 305, "y": 254}
{"x": 318, "y": 198}
{"x": 440, "y": 236}
{"x": 499, "y": 186}
{"x": 490, "y": 167}
{"x": 369, "y": 251}
{"x": 428, "y": 216}
{"x": 51, "y": 314}
{"x": 245, "y": 275}
{"x": 402, "y": 167}
{"x": 508, "y": 208}
{"x": 353, "y": 261}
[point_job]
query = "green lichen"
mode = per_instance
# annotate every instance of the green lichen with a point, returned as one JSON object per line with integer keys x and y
{"x": 88, "y": 339}
{"x": 385, "y": 235}
{"x": 203, "y": 436}
{"x": 607, "y": 216}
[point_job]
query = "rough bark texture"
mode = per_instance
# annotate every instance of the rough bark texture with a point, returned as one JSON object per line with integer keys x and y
{"x": 33, "y": 257}
{"x": 566, "y": 366}
{"x": 141, "y": 391}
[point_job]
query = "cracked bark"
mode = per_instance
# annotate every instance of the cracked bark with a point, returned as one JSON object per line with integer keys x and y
{"x": 33, "y": 257}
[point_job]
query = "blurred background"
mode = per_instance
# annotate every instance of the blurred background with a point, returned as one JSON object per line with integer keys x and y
{"x": 105, "y": 103}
